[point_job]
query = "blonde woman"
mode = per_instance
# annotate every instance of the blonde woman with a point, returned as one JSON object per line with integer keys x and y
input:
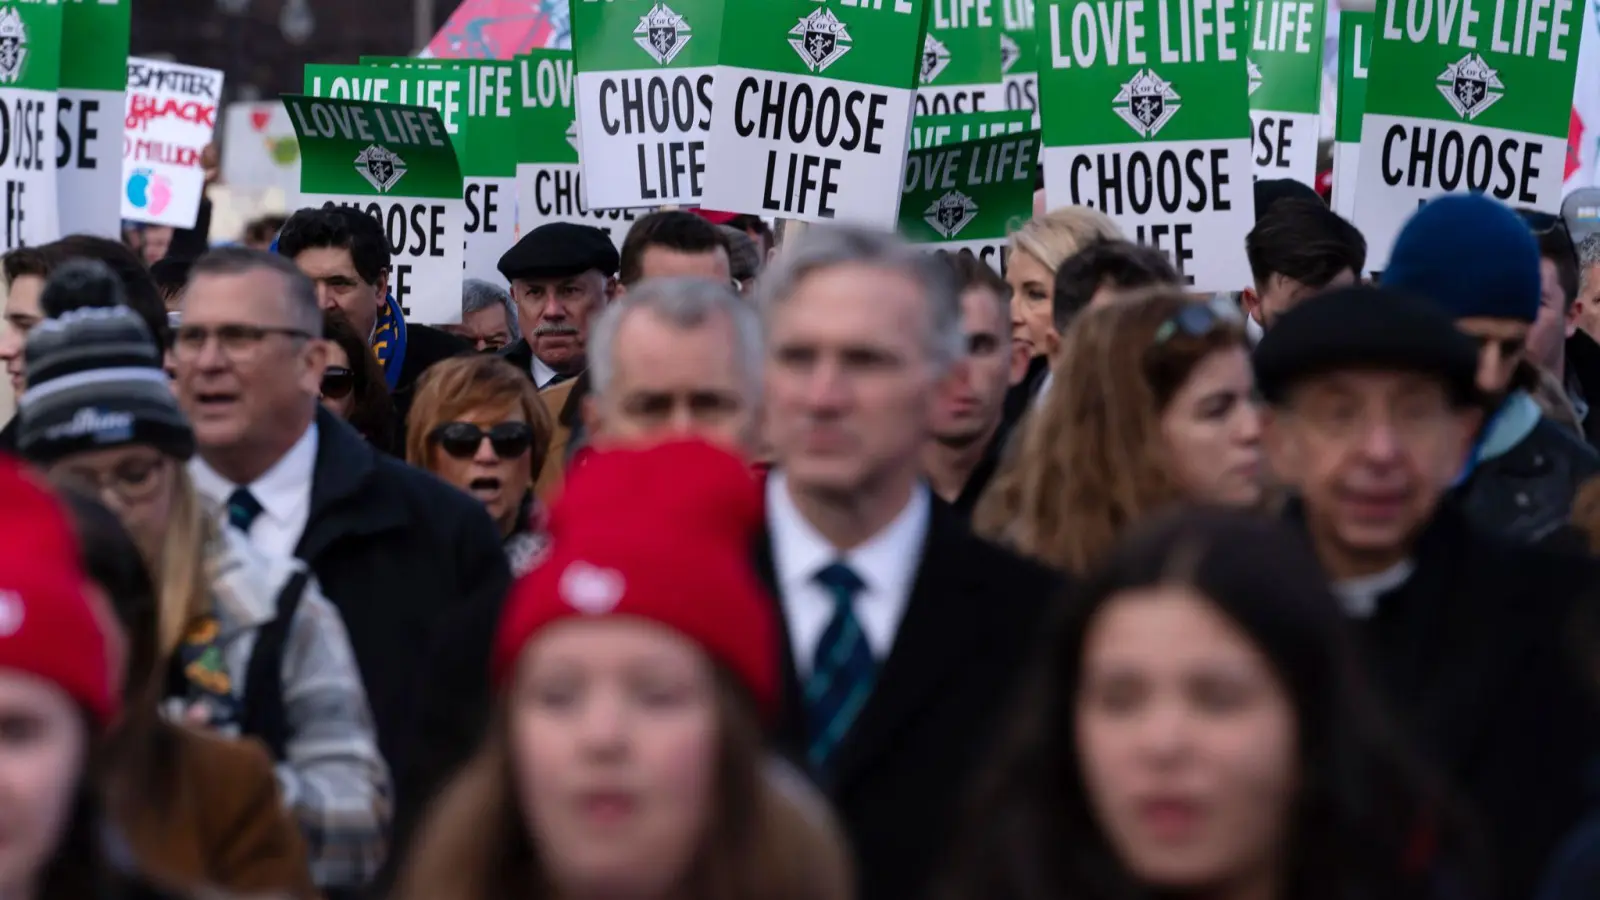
{"x": 1037, "y": 249}
{"x": 251, "y": 645}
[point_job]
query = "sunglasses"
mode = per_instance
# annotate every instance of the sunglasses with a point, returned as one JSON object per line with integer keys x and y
{"x": 1196, "y": 319}
{"x": 1544, "y": 224}
{"x": 462, "y": 439}
{"x": 337, "y": 382}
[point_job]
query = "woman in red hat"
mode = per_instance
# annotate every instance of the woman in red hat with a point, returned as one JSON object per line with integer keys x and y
{"x": 60, "y": 662}
{"x": 634, "y": 668}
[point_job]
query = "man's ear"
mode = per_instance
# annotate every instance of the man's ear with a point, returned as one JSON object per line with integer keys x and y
{"x": 614, "y": 288}
{"x": 1574, "y": 316}
{"x": 316, "y": 363}
{"x": 382, "y": 287}
{"x": 1279, "y": 446}
{"x": 1251, "y": 301}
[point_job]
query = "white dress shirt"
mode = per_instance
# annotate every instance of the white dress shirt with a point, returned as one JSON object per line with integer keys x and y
{"x": 542, "y": 374}
{"x": 887, "y": 564}
{"x": 284, "y": 492}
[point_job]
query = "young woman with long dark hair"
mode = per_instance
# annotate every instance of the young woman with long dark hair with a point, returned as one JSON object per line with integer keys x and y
{"x": 1199, "y": 726}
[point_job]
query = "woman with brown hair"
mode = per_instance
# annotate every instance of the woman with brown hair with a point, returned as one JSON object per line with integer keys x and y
{"x": 352, "y": 385}
{"x": 1153, "y": 406}
{"x": 634, "y": 667}
{"x": 196, "y": 809}
{"x": 478, "y": 423}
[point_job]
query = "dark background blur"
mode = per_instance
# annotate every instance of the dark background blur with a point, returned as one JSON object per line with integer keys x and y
{"x": 262, "y": 45}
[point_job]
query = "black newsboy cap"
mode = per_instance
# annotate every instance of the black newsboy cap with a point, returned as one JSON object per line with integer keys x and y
{"x": 1365, "y": 328}
{"x": 560, "y": 249}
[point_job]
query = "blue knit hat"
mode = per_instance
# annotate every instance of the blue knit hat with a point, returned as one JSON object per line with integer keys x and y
{"x": 1471, "y": 255}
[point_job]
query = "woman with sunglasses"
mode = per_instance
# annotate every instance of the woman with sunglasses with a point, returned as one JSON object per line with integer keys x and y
{"x": 478, "y": 423}
{"x": 1153, "y": 405}
{"x": 353, "y": 387}
{"x": 248, "y": 643}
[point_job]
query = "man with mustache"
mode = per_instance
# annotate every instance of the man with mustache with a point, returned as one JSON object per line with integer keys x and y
{"x": 561, "y": 275}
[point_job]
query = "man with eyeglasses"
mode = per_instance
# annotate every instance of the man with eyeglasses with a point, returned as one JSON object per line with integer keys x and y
{"x": 1373, "y": 404}
{"x": 396, "y": 550}
{"x": 1480, "y": 262}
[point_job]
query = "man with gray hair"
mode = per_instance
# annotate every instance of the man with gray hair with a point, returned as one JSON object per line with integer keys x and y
{"x": 675, "y": 357}
{"x": 905, "y": 632}
{"x": 488, "y": 317}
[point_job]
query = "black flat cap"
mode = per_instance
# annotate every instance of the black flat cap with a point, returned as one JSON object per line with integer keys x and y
{"x": 1365, "y": 328}
{"x": 560, "y": 249}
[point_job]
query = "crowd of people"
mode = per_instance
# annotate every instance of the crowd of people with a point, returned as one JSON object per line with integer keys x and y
{"x": 724, "y": 567}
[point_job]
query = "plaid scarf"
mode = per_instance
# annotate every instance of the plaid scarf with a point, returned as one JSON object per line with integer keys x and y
{"x": 389, "y": 340}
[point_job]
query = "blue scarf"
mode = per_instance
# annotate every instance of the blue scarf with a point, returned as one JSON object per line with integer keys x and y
{"x": 1511, "y": 423}
{"x": 388, "y": 336}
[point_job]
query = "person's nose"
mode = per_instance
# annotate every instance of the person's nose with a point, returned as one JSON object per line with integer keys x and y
{"x": 485, "y": 454}
{"x": 1490, "y": 367}
{"x": 1164, "y": 732}
{"x": 1247, "y": 424}
{"x": 324, "y": 297}
{"x": 211, "y": 358}
{"x": 11, "y": 344}
{"x": 1380, "y": 442}
{"x": 827, "y": 388}
{"x": 603, "y": 724}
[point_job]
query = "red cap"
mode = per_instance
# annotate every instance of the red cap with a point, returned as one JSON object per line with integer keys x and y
{"x": 47, "y": 627}
{"x": 714, "y": 216}
{"x": 662, "y": 533}
{"x": 1325, "y": 184}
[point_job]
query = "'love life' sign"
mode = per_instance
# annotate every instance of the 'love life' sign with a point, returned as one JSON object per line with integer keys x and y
{"x": 30, "y": 64}
{"x": 489, "y": 160}
{"x": 813, "y": 107}
{"x": 969, "y": 196}
{"x": 1146, "y": 119}
{"x": 962, "y": 68}
{"x": 934, "y": 131}
{"x": 1285, "y": 68}
{"x": 1476, "y": 96}
{"x": 1355, "y": 54}
{"x": 549, "y": 183}
{"x": 397, "y": 164}
{"x": 645, "y": 78}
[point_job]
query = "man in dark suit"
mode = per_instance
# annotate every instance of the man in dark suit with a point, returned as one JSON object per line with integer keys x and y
{"x": 903, "y": 633}
{"x": 346, "y": 255}
{"x": 397, "y": 551}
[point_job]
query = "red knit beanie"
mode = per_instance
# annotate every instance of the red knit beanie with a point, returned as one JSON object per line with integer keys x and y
{"x": 665, "y": 534}
{"x": 47, "y": 627}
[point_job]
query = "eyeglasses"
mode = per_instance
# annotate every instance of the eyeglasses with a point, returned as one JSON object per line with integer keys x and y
{"x": 132, "y": 481}
{"x": 337, "y": 382}
{"x": 462, "y": 439}
{"x": 238, "y": 341}
{"x": 1196, "y": 319}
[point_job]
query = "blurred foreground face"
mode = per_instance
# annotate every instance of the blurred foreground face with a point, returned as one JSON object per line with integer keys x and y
{"x": 1187, "y": 741}
{"x": 136, "y": 482}
{"x": 671, "y": 382}
{"x": 614, "y": 740}
{"x": 1213, "y": 431}
{"x": 43, "y": 742}
{"x": 1370, "y": 452}
{"x": 850, "y": 383}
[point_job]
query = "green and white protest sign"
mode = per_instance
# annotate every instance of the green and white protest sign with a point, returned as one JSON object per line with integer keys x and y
{"x": 1477, "y": 96}
{"x": 645, "y": 86}
{"x": 489, "y": 164}
{"x": 397, "y": 164}
{"x": 1146, "y": 118}
{"x": 813, "y": 108}
{"x": 89, "y": 115}
{"x": 969, "y": 196}
{"x": 30, "y": 72}
{"x": 1355, "y": 52}
{"x": 961, "y": 65}
{"x": 1285, "y": 69}
{"x": 443, "y": 91}
{"x": 935, "y": 131}
{"x": 1019, "y": 57}
{"x": 549, "y": 183}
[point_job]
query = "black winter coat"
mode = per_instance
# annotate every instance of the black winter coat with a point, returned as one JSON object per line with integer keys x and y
{"x": 1525, "y": 494}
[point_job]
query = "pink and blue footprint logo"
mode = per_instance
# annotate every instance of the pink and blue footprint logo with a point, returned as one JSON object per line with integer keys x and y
{"x": 149, "y": 191}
